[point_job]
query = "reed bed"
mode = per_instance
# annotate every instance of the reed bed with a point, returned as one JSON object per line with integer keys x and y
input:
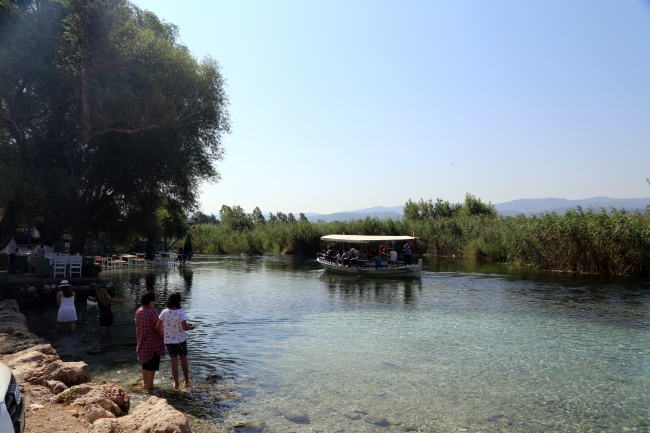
{"x": 614, "y": 242}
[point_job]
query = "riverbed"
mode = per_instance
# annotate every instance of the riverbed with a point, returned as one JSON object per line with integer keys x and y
{"x": 281, "y": 346}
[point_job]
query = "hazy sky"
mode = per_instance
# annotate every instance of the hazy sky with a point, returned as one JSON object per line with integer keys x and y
{"x": 341, "y": 105}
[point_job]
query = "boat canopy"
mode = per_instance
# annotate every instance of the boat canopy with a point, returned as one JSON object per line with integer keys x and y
{"x": 360, "y": 239}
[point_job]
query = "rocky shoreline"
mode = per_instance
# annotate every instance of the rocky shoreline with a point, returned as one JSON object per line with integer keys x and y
{"x": 60, "y": 397}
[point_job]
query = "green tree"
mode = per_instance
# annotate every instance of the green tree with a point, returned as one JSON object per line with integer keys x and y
{"x": 103, "y": 116}
{"x": 235, "y": 218}
{"x": 283, "y": 218}
{"x": 474, "y": 206}
{"x": 201, "y": 218}
{"x": 303, "y": 218}
{"x": 258, "y": 216}
{"x": 442, "y": 209}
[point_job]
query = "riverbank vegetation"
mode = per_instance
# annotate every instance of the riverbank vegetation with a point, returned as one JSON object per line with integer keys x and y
{"x": 614, "y": 242}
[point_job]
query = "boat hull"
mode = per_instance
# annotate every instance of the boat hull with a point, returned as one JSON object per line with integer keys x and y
{"x": 411, "y": 271}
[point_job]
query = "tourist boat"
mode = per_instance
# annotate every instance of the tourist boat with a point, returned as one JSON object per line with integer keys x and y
{"x": 368, "y": 268}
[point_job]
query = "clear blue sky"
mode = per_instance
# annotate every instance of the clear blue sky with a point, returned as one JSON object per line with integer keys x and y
{"x": 341, "y": 105}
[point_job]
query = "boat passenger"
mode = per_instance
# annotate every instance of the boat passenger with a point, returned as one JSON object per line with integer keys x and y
{"x": 407, "y": 254}
{"x": 378, "y": 261}
{"x": 346, "y": 259}
{"x": 369, "y": 254}
{"x": 393, "y": 257}
{"x": 353, "y": 257}
{"x": 338, "y": 257}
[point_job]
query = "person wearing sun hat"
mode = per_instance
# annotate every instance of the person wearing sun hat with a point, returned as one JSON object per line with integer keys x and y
{"x": 67, "y": 311}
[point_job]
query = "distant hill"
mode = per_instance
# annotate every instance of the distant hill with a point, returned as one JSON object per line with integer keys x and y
{"x": 380, "y": 212}
{"x": 524, "y": 206}
{"x": 561, "y": 205}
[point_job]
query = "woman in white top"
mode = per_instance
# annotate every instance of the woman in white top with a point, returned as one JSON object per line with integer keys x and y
{"x": 67, "y": 311}
{"x": 174, "y": 320}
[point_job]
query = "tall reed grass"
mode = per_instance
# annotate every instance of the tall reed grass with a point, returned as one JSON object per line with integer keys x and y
{"x": 578, "y": 241}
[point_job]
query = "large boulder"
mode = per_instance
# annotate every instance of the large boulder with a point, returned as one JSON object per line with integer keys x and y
{"x": 152, "y": 416}
{"x": 14, "y": 335}
{"x": 41, "y": 364}
{"x": 97, "y": 400}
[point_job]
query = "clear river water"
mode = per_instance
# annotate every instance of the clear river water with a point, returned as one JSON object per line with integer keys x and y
{"x": 281, "y": 346}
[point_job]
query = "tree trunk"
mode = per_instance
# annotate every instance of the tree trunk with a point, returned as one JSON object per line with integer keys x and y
{"x": 10, "y": 221}
{"x": 78, "y": 242}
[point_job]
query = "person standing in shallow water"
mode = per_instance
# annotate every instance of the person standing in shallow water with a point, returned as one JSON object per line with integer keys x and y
{"x": 104, "y": 302}
{"x": 174, "y": 320}
{"x": 67, "y": 311}
{"x": 150, "y": 340}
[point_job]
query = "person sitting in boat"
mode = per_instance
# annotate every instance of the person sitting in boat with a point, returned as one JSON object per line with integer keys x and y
{"x": 378, "y": 263}
{"x": 353, "y": 257}
{"x": 330, "y": 252}
{"x": 393, "y": 257}
{"x": 383, "y": 248}
{"x": 370, "y": 254}
{"x": 407, "y": 254}
{"x": 346, "y": 259}
{"x": 338, "y": 257}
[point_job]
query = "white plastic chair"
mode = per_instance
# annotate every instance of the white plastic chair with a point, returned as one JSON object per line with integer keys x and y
{"x": 161, "y": 259}
{"x": 75, "y": 265}
{"x": 60, "y": 266}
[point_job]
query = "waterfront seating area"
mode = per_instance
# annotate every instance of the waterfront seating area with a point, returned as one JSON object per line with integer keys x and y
{"x": 68, "y": 266}
{"x": 161, "y": 259}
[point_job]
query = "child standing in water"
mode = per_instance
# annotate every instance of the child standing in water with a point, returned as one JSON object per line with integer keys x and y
{"x": 175, "y": 322}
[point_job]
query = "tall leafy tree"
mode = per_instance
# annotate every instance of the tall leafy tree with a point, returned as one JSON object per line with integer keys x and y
{"x": 258, "y": 216}
{"x": 105, "y": 118}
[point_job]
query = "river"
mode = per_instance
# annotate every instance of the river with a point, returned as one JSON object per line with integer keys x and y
{"x": 281, "y": 346}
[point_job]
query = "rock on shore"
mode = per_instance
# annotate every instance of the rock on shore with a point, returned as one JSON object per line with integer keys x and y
{"x": 60, "y": 397}
{"x": 14, "y": 335}
{"x": 152, "y": 416}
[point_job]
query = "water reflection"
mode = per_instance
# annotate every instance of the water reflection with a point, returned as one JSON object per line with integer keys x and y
{"x": 363, "y": 292}
{"x": 188, "y": 277}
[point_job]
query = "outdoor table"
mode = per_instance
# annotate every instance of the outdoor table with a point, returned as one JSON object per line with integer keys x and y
{"x": 27, "y": 254}
{"x": 52, "y": 256}
{"x": 129, "y": 258}
{"x": 115, "y": 260}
